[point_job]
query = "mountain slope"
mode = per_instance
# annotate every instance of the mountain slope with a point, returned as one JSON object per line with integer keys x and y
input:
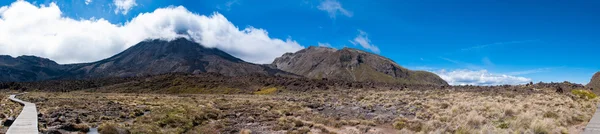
{"x": 28, "y": 68}
{"x": 595, "y": 82}
{"x": 148, "y": 57}
{"x": 180, "y": 55}
{"x": 351, "y": 64}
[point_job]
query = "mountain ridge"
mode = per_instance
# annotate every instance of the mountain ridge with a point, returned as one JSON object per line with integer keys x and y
{"x": 155, "y": 56}
{"x": 149, "y": 57}
{"x": 180, "y": 55}
{"x": 352, "y": 65}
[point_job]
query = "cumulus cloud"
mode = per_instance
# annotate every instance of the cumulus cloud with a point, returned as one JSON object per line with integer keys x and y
{"x": 2, "y": 9}
{"x": 26, "y": 29}
{"x": 87, "y": 2}
{"x": 123, "y": 6}
{"x": 481, "y": 77}
{"x": 363, "y": 40}
{"x": 333, "y": 7}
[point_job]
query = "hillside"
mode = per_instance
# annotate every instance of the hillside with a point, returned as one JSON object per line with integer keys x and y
{"x": 595, "y": 83}
{"x": 28, "y": 68}
{"x": 150, "y": 57}
{"x": 153, "y": 57}
{"x": 352, "y": 65}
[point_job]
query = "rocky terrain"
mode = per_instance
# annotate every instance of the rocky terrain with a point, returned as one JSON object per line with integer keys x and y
{"x": 216, "y": 103}
{"x": 8, "y": 110}
{"x": 195, "y": 84}
{"x": 350, "y": 65}
{"x": 442, "y": 110}
{"x": 595, "y": 83}
{"x": 210, "y": 83}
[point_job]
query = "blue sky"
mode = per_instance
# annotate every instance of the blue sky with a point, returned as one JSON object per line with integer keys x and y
{"x": 538, "y": 40}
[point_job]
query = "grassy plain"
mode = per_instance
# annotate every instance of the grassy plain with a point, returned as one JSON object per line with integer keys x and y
{"x": 329, "y": 111}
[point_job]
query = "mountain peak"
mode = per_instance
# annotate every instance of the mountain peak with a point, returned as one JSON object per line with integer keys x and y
{"x": 351, "y": 64}
{"x": 156, "y": 56}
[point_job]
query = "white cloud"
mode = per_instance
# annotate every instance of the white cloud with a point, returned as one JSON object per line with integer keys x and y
{"x": 2, "y": 9}
{"x": 486, "y": 61}
{"x": 324, "y": 44}
{"x": 123, "y": 6}
{"x": 87, "y": 2}
{"x": 228, "y": 4}
{"x": 481, "y": 77}
{"x": 362, "y": 39}
{"x": 26, "y": 29}
{"x": 333, "y": 7}
{"x": 532, "y": 71}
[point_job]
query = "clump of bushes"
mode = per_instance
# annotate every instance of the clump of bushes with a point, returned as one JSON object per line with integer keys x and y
{"x": 111, "y": 128}
{"x": 550, "y": 114}
{"x": 413, "y": 125}
{"x": 266, "y": 91}
{"x": 586, "y": 94}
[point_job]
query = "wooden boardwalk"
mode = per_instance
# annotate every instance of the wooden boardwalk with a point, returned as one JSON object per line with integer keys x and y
{"x": 593, "y": 127}
{"x": 27, "y": 121}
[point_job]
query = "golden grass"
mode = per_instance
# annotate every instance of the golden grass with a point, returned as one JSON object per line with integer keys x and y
{"x": 266, "y": 91}
{"x": 471, "y": 112}
{"x": 8, "y": 108}
{"x": 433, "y": 111}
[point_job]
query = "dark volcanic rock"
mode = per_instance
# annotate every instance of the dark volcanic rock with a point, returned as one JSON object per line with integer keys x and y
{"x": 352, "y": 65}
{"x": 9, "y": 121}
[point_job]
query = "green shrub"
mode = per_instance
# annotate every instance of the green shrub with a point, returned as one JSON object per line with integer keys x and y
{"x": 550, "y": 114}
{"x": 266, "y": 91}
{"x": 503, "y": 125}
{"x": 582, "y": 93}
{"x": 540, "y": 130}
{"x": 400, "y": 124}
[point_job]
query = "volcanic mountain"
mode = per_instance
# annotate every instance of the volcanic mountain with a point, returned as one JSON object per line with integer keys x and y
{"x": 180, "y": 55}
{"x": 148, "y": 57}
{"x": 351, "y": 64}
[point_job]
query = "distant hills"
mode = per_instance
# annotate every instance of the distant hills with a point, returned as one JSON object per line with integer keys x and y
{"x": 351, "y": 65}
{"x": 152, "y": 57}
{"x": 28, "y": 68}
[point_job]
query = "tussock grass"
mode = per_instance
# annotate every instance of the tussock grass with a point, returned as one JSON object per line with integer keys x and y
{"x": 332, "y": 111}
{"x": 8, "y": 108}
{"x": 266, "y": 91}
{"x": 472, "y": 112}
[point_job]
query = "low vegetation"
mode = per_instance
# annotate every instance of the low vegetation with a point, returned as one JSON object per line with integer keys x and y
{"x": 9, "y": 110}
{"x": 585, "y": 94}
{"x": 270, "y": 110}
